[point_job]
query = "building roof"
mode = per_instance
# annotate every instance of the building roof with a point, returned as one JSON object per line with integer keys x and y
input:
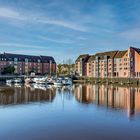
{"x": 47, "y": 59}
{"x": 31, "y": 58}
{"x": 120, "y": 54}
{"x": 22, "y": 57}
{"x": 136, "y": 49}
{"x": 110, "y": 54}
{"x": 91, "y": 58}
{"x": 2, "y": 56}
{"x": 83, "y": 56}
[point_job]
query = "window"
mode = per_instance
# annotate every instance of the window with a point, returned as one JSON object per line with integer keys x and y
{"x": 114, "y": 60}
{"x": 15, "y": 59}
{"x": 26, "y": 59}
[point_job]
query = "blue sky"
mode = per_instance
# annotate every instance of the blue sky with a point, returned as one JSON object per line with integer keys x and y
{"x": 67, "y": 28}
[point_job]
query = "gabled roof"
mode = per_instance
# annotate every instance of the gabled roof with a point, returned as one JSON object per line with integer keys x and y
{"x": 110, "y": 54}
{"x": 22, "y": 57}
{"x": 91, "y": 58}
{"x": 47, "y": 59}
{"x": 31, "y": 58}
{"x": 120, "y": 54}
{"x": 83, "y": 56}
{"x": 136, "y": 49}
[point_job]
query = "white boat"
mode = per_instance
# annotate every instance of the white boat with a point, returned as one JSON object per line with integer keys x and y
{"x": 67, "y": 81}
{"x": 50, "y": 81}
{"x": 39, "y": 80}
{"x": 58, "y": 83}
{"x": 9, "y": 84}
{"x": 17, "y": 80}
{"x": 9, "y": 81}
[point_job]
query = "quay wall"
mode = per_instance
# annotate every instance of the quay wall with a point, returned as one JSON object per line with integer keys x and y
{"x": 121, "y": 81}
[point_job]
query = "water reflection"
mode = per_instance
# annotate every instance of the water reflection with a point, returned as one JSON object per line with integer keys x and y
{"x": 78, "y": 112}
{"x": 18, "y": 94}
{"x": 114, "y": 97}
{"x": 126, "y": 98}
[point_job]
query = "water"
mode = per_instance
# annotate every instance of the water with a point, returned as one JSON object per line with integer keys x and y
{"x": 80, "y": 112}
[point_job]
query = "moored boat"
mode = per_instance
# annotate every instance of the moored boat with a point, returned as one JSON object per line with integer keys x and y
{"x": 40, "y": 80}
{"x": 58, "y": 83}
{"x": 67, "y": 81}
{"x": 10, "y": 81}
{"x": 17, "y": 80}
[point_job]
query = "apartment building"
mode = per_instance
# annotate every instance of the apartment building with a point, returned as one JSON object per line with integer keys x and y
{"x": 81, "y": 63}
{"x": 24, "y": 64}
{"x": 110, "y": 64}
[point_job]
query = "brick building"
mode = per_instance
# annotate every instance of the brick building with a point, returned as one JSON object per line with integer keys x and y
{"x": 110, "y": 64}
{"x": 24, "y": 64}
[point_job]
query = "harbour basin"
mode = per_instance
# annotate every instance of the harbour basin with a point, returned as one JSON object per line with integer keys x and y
{"x": 78, "y": 112}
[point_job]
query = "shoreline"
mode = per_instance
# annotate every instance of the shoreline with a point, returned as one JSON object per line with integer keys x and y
{"x": 115, "y": 81}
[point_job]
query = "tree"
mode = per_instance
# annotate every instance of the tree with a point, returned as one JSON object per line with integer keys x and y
{"x": 59, "y": 68}
{"x": 9, "y": 70}
{"x": 69, "y": 65}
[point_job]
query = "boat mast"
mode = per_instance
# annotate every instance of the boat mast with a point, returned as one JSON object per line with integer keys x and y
{"x": 50, "y": 68}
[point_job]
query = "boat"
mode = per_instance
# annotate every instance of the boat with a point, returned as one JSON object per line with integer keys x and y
{"x": 58, "y": 82}
{"x": 40, "y": 80}
{"x": 17, "y": 80}
{"x": 67, "y": 81}
{"x": 50, "y": 81}
{"x": 10, "y": 81}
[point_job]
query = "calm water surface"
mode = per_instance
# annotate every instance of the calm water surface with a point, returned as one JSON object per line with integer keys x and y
{"x": 79, "y": 112}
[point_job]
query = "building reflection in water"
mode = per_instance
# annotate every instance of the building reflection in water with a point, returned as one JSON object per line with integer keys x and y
{"x": 23, "y": 94}
{"x": 109, "y": 96}
{"x": 126, "y": 98}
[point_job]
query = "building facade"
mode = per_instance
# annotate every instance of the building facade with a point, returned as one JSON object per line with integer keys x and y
{"x": 110, "y": 64}
{"x": 24, "y": 64}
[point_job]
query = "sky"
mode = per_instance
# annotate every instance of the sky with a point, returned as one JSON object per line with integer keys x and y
{"x": 65, "y": 29}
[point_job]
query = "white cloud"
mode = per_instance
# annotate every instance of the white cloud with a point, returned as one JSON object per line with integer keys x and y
{"x": 63, "y": 23}
{"x": 11, "y": 45}
{"x": 64, "y": 41}
{"x": 9, "y": 13}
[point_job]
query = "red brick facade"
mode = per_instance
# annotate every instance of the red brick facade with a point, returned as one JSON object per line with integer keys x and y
{"x": 24, "y": 64}
{"x": 111, "y": 64}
